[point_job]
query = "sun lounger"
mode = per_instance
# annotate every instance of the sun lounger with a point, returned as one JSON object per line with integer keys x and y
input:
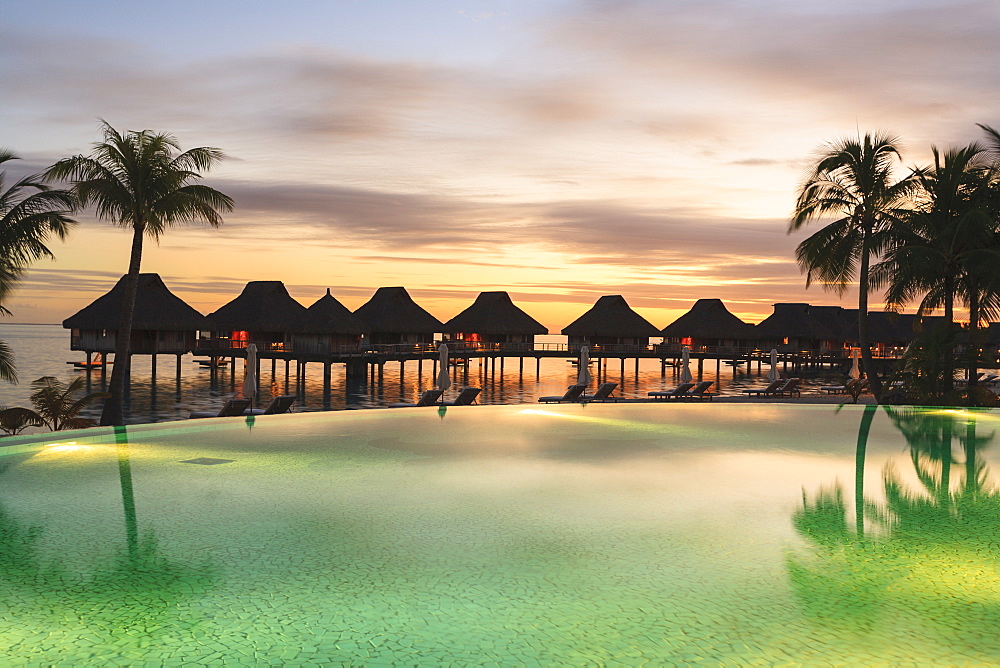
{"x": 573, "y": 393}
{"x": 789, "y": 389}
{"x": 278, "y": 405}
{"x": 766, "y": 391}
{"x": 675, "y": 393}
{"x": 603, "y": 393}
{"x": 853, "y": 385}
{"x": 232, "y": 408}
{"x": 700, "y": 392}
{"x": 428, "y": 398}
{"x": 466, "y": 397}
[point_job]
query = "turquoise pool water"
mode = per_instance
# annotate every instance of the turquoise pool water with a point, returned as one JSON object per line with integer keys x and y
{"x": 508, "y": 535}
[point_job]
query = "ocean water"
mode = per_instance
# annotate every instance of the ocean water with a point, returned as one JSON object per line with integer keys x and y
{"x": 43, "y": 350}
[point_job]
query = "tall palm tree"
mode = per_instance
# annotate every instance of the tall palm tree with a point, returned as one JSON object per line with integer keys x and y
{"x": 946, "y": 248}
{"x": 853, "y": 181}
{"x": 141, "y": 181}
{"x": 30, "y": 212}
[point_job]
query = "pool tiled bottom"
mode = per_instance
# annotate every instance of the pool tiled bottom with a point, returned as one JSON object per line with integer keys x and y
{"x": 628, "y": 535}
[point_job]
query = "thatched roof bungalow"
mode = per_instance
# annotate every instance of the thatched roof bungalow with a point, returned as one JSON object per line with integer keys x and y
{"x": 889, "y": 333}
{"x": 393, "y": 318}
{"x": 326, "y": 327}
{"x": 161, "y": 322}
{"x": 610, "y": 322}
{"x": 800, "y": 326}
{"x": 708, "y": 323}
{"x": 493, "y": 318}
{"x": 263, "y": 313}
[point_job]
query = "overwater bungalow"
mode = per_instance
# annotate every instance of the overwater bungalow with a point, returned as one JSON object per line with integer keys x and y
{"x": 394, "y": 318}
{"x": 326, "y": 327}
{"x": 610, "y": 322}
{"x": 493, "y": 319}
{"x": 799, "y": 327}
{"x": 889, "y": 333}
{"x": 263, "y": 313}
{"x": 708, "y": 324}
{"x": 162, "y": 322}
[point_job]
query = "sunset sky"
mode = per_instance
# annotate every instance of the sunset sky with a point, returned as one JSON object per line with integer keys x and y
{"x": 557, "y": 149}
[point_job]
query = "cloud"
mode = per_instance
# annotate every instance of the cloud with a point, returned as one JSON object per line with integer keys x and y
{"x": 882, "y": 60}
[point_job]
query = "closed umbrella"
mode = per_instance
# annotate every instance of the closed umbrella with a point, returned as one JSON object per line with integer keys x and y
{"x": 855, "y": 372}
{"x": 772, "y": 375}
{"x": 250, "y": 379}
{"x": 685, "y": 365}
{"x": 583, "y": 378}
{"x": 444, "y": 378}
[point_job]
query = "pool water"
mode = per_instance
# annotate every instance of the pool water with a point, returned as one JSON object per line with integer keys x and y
{"x": 507, "y": 535}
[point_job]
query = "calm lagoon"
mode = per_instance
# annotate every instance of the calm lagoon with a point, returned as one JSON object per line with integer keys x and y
{"x": 44, "y": 350}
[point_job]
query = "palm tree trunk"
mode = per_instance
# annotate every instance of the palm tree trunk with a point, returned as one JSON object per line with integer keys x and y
{"x": 949, "y": 322}
{"x": 874, "y": 383}
{"x": 973, "y": 338}
{"x": 112, "y": 414}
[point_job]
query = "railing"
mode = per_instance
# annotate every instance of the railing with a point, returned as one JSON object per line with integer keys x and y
{"x": 227, "y": 346}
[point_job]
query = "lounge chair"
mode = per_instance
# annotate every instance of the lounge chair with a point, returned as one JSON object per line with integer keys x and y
{"x": 766, "y": 391}
{"x": 789, "y": 389}
{"x": 232, "y": 408}
{"x": 279, "y": 404}
{"x": 675, "y": 393}
{"x": 428, "y": 398}
{"x": 603, "y": 393}
{"x": 852, "y": 385}
{"x": 466, "y": 397}
{"x": 573, "y": 393}
{"x": 700, "y": 392}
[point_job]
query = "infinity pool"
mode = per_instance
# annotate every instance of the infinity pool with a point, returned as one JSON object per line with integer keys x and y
{"x": 506, "y": 535}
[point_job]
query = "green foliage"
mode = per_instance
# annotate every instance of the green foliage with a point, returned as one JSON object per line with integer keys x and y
{"x": 926, "y": 375}
{"x": 57, "y": 405}
{"x": 30, "y": 212}
{"x": 15, "y": 420}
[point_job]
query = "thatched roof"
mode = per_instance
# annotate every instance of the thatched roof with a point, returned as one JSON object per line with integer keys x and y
{"x": 494, "y": 313}
{"x": 156, "y": 308}
{"x": 391, "y": 310}
{"x": 328, "y": 316}
{"x": 709, "y": 319}
{"x": 888, "y": 327}
{"x": 263, "y": 306}
{"x": 611, "y": 316}
{"x": 803, "y": 321}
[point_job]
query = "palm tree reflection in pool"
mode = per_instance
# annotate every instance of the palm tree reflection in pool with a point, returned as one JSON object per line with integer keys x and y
{"x": 922, "y": 561}
{"x": 137, "y": 588}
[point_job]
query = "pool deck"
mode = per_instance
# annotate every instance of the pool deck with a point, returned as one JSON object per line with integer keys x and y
{"x": 736, "y": 399}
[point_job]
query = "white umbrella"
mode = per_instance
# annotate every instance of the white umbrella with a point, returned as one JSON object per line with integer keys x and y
{"x": 444, "y": 378}
{"x": 686, "y": 365}
{"x": 772, "y": 375}
{"x": 855, "y": 372}
{"x": 583, "y": 378}
{"x": 250, "y": 379}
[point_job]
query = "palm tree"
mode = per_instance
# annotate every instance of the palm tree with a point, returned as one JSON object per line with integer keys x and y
{"x": 57, "y": 405}
{"x": 141, "y": 181}
{"x": 30, "y": 212}
{"x": 947, "y": 247}
{"x": 852, "y": 180}
{"x": 15, "y": 420}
